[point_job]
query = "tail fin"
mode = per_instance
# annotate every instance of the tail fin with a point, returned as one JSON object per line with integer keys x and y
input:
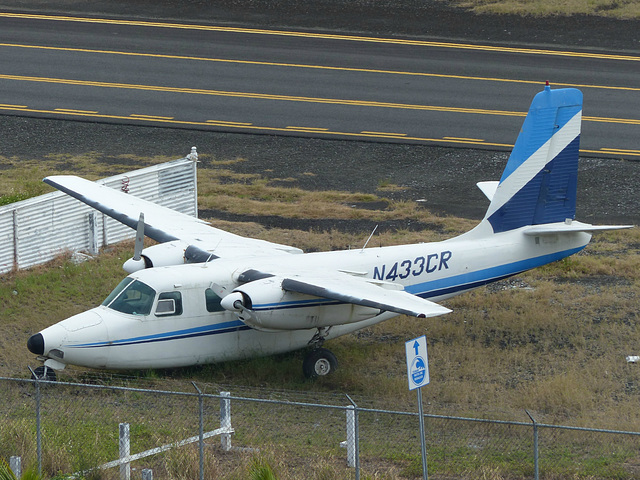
{"x": 539, "y": 183}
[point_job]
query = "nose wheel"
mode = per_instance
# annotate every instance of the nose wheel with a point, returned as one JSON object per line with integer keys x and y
{"x": 319, "y": 363}
{"x": 44, "y": 373}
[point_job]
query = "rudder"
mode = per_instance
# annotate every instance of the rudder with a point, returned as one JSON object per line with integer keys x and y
{"x": 539, "y": 183}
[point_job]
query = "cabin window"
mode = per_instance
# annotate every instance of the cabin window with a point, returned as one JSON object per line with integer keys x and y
{"x": 169, "y": 303}
{"x": 135, "y": 298}
{"x": 213, "y": 301}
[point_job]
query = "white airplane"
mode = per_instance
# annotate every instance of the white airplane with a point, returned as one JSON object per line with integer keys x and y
{"x": 203, "y": 295}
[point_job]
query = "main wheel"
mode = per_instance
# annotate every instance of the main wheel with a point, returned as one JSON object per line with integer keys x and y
{"x": 319, "y": 362}
{"x": 44, "y": 373}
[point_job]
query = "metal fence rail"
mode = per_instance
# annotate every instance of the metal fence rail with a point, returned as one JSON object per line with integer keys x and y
{"x": 36, "y": 230}
{"x": 70, "y": 428}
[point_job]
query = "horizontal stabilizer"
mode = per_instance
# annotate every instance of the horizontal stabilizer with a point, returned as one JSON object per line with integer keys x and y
{"x": 570, "y": 227}
{"x": 360, "y": 292}
{"x": 488, "y": 188}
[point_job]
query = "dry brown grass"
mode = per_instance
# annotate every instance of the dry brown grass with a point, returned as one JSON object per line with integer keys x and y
{"x": 624, "y": 9}
{"x": 552, "y": 341}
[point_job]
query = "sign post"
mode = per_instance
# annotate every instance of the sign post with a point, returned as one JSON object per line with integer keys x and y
{"x": 418, "y": 375}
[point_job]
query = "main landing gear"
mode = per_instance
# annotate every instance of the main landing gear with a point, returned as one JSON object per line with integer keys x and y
{"x": 319, "y": 362}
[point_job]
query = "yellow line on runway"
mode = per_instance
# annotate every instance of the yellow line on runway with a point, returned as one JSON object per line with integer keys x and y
{"x": 316, "y": 67}
{"x": 150, "y": 117}
{"x": 620, "y": 151}
{"x": 324, "y": 36}
{"x": 265, "y": 96}
{"x": 72, "y": 110}
{"x": 248, "y": 126}
{"x": 452, "y": 141}
{"x": 384, "y": 134}
{"x": 463, "y": 138}
{"x": 12, "y": 106}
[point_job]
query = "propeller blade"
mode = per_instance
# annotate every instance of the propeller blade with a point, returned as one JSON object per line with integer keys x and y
{"x": 139, "y": 245}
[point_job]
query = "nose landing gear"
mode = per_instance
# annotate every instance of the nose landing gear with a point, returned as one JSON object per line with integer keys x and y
{"x": 44, "y": 373}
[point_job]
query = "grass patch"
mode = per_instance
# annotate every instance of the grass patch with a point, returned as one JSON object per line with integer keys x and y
{"x": 551, "y": 341}
{"x": 622, "y": 9}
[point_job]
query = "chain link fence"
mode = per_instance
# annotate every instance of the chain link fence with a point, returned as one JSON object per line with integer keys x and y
{"x": 102, "y": 431}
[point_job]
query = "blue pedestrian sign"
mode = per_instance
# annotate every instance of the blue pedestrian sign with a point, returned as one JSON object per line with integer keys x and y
{"x": 417, "y": 362}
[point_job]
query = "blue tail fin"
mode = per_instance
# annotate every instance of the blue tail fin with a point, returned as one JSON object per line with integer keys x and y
{"x": 539, "y": 183}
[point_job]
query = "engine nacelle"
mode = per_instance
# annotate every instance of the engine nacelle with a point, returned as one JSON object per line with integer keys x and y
{"x": 161, "y": 255}
{"x": 265, "y": 305}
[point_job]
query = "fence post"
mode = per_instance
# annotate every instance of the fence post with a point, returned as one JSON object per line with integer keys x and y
{"x": 200, "y": 431}
{"x": 225, "y": 419}
{"x": 535, "y": 446}
{"x": 93, "y": 233}
{"x": 351, "y": 437}
{"x": 15, "y": 464}
{"x": 125, "y": 451}
{"x": 38, "y": 426}
{"x": 353, "y": 409}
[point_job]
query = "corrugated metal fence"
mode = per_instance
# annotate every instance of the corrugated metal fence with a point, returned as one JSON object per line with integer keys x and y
{"x": 36, "y": 230}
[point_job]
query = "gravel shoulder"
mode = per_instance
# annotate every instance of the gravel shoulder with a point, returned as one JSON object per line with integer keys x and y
{"x": 443, "y": 179}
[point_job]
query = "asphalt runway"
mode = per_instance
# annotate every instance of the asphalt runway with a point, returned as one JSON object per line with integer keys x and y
{"x": 444, "y": 177}
{"x": 309, "y": 84}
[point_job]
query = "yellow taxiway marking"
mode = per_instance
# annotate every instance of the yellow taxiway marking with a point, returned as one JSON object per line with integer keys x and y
{"x": 464, "y": 139}
{"x": 385, "y": 134}
{"x": 243, "y": 126}
{"x": 71, "y": 110}
{"x": 225, "y": 122}
{"x": 620, "y": 150}
{"x": 277, "y": 129}
{"x": 324, "y": 36}
{"x": 318, "y": 67}
{"x": 5, "y": 105}
{"x": 150, "y": 117}
{"x": 290, "y": 98}
{"x": 317, "y": 129}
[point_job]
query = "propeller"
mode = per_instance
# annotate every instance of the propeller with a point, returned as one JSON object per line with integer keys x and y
{"x": 241, "y": 305}
{"x": 137, "y": 262}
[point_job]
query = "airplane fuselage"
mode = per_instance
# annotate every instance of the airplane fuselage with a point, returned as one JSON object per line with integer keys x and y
{"x": 200, "y": 331}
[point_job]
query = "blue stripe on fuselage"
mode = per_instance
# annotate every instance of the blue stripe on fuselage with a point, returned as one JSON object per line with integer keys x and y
{"x": 467, "y": 281}
{"x": 225, "y": 327}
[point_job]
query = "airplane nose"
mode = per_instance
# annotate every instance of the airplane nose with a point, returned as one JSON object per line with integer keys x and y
{"x": 35, "y": 344}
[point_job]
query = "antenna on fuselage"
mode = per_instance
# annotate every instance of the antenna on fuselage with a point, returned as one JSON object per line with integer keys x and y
{"x": 204, "y": 265}
{"x": 367, "y": 242}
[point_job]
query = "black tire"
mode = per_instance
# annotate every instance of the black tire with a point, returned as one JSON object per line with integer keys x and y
{"x": 44, "y": 373}
{"x": 319, "y": 363}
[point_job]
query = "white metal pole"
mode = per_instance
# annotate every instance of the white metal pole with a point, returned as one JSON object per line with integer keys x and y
{"x": 125, "y": 451}
{"x": 423, "y": 445}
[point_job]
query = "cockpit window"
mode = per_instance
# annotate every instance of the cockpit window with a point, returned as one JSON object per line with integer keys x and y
{"x": 213, "y": 301}
{"x": 116, "y": 291}
{"x": 134, "y": 297}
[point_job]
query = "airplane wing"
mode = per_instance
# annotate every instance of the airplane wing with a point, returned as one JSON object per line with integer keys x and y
{"x": 349, "y": 289}
{"x": 162, "y": 224}
{"x": 264, "y": 293}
